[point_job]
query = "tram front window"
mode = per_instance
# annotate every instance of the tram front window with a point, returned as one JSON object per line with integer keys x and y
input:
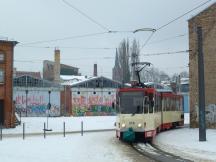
{"x": 131, "y": 102}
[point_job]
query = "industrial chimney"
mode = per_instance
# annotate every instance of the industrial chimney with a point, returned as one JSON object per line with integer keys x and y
{"x": 57, "y": 66}
{"x": 95, "y": 70}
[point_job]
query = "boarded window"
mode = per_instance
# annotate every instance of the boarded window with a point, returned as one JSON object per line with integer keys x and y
{"x": 2, "y": 57}
{"x": 2, "y": 76}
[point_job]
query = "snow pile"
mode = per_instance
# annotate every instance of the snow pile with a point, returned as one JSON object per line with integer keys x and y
{"x": 185, "y": 142}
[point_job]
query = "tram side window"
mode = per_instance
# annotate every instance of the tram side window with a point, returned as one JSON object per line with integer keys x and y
{"x": 146, "y": 104}
{"x": 163, "y": 104}
{"x": 156, "y": 103}
{"x": 172, "y": 104}
{"x": 167, "y": 104}
{"x": 151, "y": 103}
{"x": 159, "y": 103}
{"x": 177, "y": 105}
{"x": 181, "y": 105}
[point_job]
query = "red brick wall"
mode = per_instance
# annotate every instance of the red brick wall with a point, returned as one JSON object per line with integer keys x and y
{"x": 6, "y": 89}
{"x": 66, "y": 100}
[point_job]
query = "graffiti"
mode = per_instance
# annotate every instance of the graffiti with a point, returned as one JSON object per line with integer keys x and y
{"x": 88, "y": 104}
{"x": 31, "y": 99}
{"x": 94, "y": 110}
{"x": 211, "y": 114}
{"x": 37, "y": 110}
{"x": 36, "y": 102}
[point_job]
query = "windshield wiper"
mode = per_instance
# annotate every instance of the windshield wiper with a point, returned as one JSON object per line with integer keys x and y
{"x": 137, "y": 111}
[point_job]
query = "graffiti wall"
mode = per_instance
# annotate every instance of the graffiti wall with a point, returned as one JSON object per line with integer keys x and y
{"x": 210, "y": 112}
{"x": 93, "y": 102}
{"x": 36, "y": 101}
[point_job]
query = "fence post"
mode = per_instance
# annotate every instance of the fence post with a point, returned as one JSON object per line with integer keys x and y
{"x": 81, "y": 128}
{"x": 1, "y": 132}
{"x": 23, "y": 131}
{"x": 44, "y": 130}
{"x": 20, "y": 118}
{"x": 64, "y": 129}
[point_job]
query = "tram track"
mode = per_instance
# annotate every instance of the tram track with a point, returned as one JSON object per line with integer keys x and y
{"x": 154, "y": 153}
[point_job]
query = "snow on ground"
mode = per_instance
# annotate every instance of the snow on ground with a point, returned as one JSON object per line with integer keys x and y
{"x": 91, "y": 147}
{"x": 185, "y": 142}
{"x": 36, "y": 124}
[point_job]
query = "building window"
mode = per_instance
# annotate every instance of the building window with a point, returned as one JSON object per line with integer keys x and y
{"x": 2, "y": 57}
{"x": 1, "y": 76}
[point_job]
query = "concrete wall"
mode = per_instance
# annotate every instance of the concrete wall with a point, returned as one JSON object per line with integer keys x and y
{"x": 37, "y": 100}
{"x": 207, "y": 20}
{"x": 93, "y": 101}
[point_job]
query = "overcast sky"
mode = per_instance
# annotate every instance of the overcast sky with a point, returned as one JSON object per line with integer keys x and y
{"x": 29, "y": 21}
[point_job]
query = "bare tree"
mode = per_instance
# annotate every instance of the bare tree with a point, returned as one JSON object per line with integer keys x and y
{"x": 121, "y": 71}
{"x": 184, "y": 74}
{"x": 135, "y": 53}
{"x": 153, "y": 75}
{"x": 117, "y": 71}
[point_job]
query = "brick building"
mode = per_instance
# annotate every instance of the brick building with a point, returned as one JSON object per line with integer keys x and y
{"x": 53, "y": 69}
{"x": 207, "y": 20}
{"x": 7, "y": 113}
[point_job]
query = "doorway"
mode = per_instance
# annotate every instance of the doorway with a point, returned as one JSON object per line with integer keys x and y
{"x": 1, "y": 112}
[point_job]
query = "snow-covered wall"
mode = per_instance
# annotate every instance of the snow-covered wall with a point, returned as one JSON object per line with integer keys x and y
{"x": 37, "y": 101}
{"x": 93, "y": 101}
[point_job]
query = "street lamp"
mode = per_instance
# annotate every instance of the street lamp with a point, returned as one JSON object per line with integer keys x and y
{"x": 48, "y": 111}
{"x": 144, "y": 29}
{"x": 26, "y": 91}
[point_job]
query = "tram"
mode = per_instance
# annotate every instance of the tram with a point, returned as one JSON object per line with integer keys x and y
{"x": 143, "y": 111}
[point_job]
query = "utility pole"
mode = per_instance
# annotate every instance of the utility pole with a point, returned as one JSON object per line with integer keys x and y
{"x": 201, "y": 84}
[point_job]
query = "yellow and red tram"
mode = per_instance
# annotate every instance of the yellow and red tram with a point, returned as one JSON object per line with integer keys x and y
{"x": 147, "y": 111}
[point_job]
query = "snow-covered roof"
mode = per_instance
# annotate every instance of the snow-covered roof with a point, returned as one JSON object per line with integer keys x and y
{"x": 184, "y": 80}
{"x": 71, "y": 77}
{"x": 78, "y": 82}
{"x": 159, "y": 87}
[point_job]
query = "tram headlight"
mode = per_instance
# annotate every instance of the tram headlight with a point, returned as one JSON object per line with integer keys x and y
{"x": 123, "y": 125}
{"x": 139, "y": 125}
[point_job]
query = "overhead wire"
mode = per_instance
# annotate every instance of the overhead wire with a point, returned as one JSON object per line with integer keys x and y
{"x": 86, "y": 16}
{"x": 147, "y": 40}
{"x": 173, "y": 20}
{"x": 65, "y": 38}
{"x": 167, "y": 39}
{"x": 69, "y": 47}
{"x": 165, "y": 53}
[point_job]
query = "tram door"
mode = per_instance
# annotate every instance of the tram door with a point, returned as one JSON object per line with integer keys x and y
{"x": 1, "y": 112}
{"x": 162, "y": 109}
